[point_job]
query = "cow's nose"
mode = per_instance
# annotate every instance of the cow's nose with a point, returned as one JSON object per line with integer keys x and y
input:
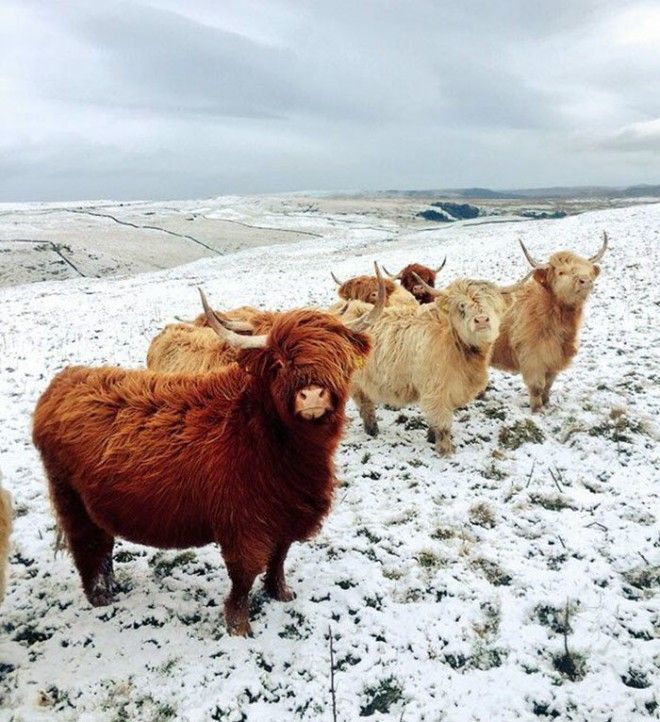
{"x": 482, "y": 321}
{"x": 312, "y": 402}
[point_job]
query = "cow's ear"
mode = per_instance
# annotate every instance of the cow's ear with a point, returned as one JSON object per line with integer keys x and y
{"x": 596, "y": 271}
{"x": 541, "y": 276}
{"x": 442, "y": 301}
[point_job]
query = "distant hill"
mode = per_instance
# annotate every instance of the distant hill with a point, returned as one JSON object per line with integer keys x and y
{"x": 478, "y": 193}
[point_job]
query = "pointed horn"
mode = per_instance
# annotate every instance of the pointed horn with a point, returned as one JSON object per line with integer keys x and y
{"x": 233, "y": 324}
{"x": 532, "y": 261}
{"x": 391, "y": 275}
{"x": 515, "y": 286}
{"x": 425, "y": 286}
{"x": 230, "y": 337}
{"x": 369, "y": 318}
{"x": 440, "y": 267}
{"x": 603, "y": 248}
{"x": 335, "y": 279}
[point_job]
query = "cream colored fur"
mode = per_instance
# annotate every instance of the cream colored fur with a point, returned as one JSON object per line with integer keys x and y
{"x": 5, "y": 530}
{"x": 181, "y": 348}
{"x": 431, "y": 355}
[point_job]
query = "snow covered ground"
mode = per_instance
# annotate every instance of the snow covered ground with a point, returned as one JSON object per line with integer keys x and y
{"x": 516, "y": 581}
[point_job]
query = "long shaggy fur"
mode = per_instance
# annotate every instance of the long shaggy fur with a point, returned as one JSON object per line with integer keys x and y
{"x": 5, "y": 531}
{"x": 411, "y": 284}
{"x": 539, "y": 333}
{"x": 196, "y": 348}
{"x": 428, "y": 355}
{"x": 178, "y": 460}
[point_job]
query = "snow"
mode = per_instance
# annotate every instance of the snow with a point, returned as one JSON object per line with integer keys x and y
{"x": 445, "y": 583}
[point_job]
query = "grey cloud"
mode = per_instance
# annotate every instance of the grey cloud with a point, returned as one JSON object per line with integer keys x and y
{"x": 159, "y": 99}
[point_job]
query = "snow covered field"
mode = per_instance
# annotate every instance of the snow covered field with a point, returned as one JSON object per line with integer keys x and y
{"x": 516, "y": 581}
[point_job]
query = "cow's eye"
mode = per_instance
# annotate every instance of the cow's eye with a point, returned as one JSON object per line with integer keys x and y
{"x": 461, "y": 307}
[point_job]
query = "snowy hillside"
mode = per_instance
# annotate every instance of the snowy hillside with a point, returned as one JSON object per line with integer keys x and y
{"x": 452, "y": 588}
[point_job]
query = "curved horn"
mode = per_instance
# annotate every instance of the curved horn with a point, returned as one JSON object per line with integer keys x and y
{"x": 391, "y": 275}
{"x": 335, "y": 279}
{"x": 532, "y": 261}
{"x": 603, "y": 248}
{"x": 440, "y": 267}
{"x": 230, "y": 337}
{"x": 369, "y": 318}
{"x": 425, "y": 285}
{"x": 515, "y": 286}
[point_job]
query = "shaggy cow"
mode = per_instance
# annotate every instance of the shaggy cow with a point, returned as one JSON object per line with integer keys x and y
{"x": 436, "y": 355}
{"x": 5, "y": 530}
{"x": 241, "y": 456}
{"x": 539, "y": 333}
{"x": 365, "y": 288}
{"x": 409, "y": 275}
{"x": 195, "y": 348}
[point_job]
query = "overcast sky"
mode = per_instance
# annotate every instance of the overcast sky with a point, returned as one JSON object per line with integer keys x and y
{"x": 191, "y": 98}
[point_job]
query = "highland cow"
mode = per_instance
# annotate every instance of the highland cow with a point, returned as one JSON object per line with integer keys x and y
{"x": 409, "y": 276}
{"x": 365, "y": 288}
{"x": 539, "y": 332}
{"x": 5, "y": 531}
{"x": 436, "y": 355}
{"x": 242, "y": 456}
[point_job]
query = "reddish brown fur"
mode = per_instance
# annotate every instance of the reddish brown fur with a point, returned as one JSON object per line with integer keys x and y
{"x": 539, "y": 332}
{"x": 186, "y": 460}
{"x": 411, "y": 284}
{"x": 364, "y": 288}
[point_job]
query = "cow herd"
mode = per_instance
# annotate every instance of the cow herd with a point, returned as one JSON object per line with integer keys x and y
{"x": 229, "y": 434}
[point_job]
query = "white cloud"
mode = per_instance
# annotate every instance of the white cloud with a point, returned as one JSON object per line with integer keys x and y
{"x": 160, "y": 98}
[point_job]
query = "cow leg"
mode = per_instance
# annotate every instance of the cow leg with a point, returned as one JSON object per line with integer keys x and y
{"x": 535, "y": 382}
{"x": 274, "y": 582}
{"x": 90, "y": 545}
{"x": 237, "y": 605}
{"x": 367, "y": 412}
{"x": 549, "y": 380}
{"x": 439, "y": 422}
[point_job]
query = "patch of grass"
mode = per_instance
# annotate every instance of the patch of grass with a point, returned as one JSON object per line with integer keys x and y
{"x": 428, "y": 560}
{"x": 481, "y": 514}
{"x": 485, "y": 658}
{"x": 493, "y": 472}
{"x": 551, "y": 502}
{"x": 417, "y": 422}
{"x": 618, "y": 427}
{"x": 443, "y": 532}
{"x": 381, "y": 698}
{"x": 393, "y": 574}
{"x": 553, "y": 618}
{"x": 521, "y": 432}
{"x": 571, "y": 665}
{"x": 493, "y": 572}
{"x": 643, "y": 582}
{"x": 542, "y": 709}
{"x": 373, "y": 538}
{"x": 492, "y": 412}
{"x": 490, "y": 625}
{"x": 415, "y": 463}
{"x": 636, "y": 678}
{"x": 163, "y": 565}
{"x": 348, "y": 661}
